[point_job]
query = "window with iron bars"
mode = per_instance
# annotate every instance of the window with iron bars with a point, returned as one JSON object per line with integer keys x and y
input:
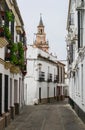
{"x": 49, "y": 77}
{"x": 55, "y": 78}
{"x": 41, "y": 76}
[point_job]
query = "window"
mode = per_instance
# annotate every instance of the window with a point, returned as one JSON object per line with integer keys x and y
{"x": 41, "y": 30}
{"x": 49, "y": 77}
{"x": 80, "y": 28}
{"x": 41, "y": 76}
{"x": 55, "y": 78}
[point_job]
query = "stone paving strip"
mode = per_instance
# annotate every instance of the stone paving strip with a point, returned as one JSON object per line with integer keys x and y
{"x": 47, "y": 117}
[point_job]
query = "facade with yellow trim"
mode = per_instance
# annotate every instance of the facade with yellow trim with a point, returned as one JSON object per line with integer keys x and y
{"x": 12, "y": 61}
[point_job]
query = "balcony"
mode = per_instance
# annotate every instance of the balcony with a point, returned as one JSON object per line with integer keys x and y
{"x": 49, "y": 79}
{"x": 41, "y": 79}
{"x": 55, "y": 78}
{"x": 41, "y": 76}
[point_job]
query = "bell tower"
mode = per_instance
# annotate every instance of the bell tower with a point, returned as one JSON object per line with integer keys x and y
{"x": 40, "y": 41}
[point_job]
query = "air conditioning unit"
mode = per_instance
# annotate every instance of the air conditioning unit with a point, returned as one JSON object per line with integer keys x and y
{"x": 80, "y": 4}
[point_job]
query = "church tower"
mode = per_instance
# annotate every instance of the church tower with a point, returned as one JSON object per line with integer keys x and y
{"x": 40, "y": 41}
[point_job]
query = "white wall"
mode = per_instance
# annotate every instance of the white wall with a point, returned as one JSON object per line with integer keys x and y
{"x": 31, "y": 79}
{"x": 2, "y": 53}
{"x": 77, "y": 82}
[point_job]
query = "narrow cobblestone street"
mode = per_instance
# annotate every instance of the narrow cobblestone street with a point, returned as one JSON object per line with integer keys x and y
{"x": 47, "y": 117}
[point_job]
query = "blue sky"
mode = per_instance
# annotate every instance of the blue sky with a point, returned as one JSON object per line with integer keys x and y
{"x": 54, "y": 15}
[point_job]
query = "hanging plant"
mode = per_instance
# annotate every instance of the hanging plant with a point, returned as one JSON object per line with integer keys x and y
{"x": 17, "y": 54}
{"x": 14, "y": 48}
{"x": 13, "y": 57}
{"x": 9, "y": 16}
{"x": 7, "y": 33}
{"x": 20, "y": 54}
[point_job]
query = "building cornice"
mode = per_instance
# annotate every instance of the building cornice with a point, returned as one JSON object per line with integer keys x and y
{"x": 47, "y": 59}
{"x": 59, "y": 63}
{"x": 18, "y": 11}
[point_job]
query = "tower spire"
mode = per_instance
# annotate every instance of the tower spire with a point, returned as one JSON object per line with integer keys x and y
{"x": 41, "y": 21}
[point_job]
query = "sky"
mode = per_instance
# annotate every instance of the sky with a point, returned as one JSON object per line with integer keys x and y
{"x": 54, "y": 15}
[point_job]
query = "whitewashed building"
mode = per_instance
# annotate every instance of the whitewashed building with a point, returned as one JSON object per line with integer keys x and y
{"x": 76, "y": 55}
{"x": 12, "y": 50}
{"x": 45, "y": 75}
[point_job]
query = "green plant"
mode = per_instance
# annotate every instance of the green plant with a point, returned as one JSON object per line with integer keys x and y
{"x": 14, "y": 50}
{"x": 13, "y": 59}
{"x": 7, "y": 33}
{"x": 9, "y": 16}
{"x": 20, "y": 54}
{"x": 17, "y": 54}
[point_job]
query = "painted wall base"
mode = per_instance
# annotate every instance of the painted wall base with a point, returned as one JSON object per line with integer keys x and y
{"x": 51, "y": 99}
{"x": 17, "y": 108}
{"x": 79, "y": 112}
{"x": 7, "y": 119}
{"x": 60, "y": 97}
{"x": 12, "y": 113}
{"x": 2, "y": 123}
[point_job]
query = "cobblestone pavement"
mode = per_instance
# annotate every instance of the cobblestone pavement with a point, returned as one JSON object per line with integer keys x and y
{"x": 47, "y": 117}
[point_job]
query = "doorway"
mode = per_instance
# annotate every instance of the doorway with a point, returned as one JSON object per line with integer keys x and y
{"x": 0, "y": 94}
{"x": 40, "y": 95}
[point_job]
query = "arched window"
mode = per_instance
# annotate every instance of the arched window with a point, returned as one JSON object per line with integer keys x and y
{"x": 41, "y": 30}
